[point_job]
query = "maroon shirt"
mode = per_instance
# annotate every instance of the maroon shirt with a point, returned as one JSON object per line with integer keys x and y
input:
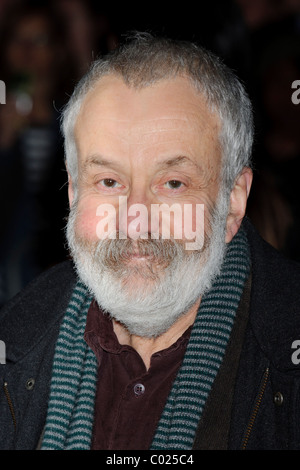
{"x": 129, "y": 399}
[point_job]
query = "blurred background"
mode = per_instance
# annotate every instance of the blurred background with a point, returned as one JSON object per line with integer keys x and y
{"x": 45, "y": 47}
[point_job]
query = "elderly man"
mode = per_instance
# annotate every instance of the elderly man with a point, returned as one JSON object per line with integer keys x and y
{"x": 173, "y": 328}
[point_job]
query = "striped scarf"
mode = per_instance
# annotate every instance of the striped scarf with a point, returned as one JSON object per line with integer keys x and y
{"x": 73, "y": 386}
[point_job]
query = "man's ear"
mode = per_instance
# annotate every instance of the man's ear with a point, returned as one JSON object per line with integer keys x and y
{"x": 238, "y": 203}
{"x": 70, "y": 190}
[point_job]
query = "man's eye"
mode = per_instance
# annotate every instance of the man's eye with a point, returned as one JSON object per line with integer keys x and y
{"x": 109, "y": 183}
{"x": 173, "y": 184}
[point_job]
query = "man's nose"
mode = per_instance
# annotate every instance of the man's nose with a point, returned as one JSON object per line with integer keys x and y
{"x": 135, "y": 214}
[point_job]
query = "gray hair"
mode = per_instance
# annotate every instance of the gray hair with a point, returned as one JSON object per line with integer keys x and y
{"x": 144, "y": 60}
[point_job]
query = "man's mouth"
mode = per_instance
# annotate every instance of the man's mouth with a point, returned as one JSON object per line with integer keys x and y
{"x": 137, "y": 255}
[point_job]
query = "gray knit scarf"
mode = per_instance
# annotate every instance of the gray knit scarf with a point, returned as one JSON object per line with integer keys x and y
{"x": 69, "y": 420}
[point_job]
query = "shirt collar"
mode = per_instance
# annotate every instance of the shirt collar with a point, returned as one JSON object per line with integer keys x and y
{"x": 100, "y": 336}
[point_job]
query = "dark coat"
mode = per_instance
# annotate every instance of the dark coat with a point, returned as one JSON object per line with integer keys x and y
{"x": 263, "y": 397}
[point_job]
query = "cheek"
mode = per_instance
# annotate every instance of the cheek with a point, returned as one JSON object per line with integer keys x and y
{"x": 86, "y": 223}
{"x": 96, "y": 220}
{"x": 197, "y": 217}
{"x": 193, "y": 222}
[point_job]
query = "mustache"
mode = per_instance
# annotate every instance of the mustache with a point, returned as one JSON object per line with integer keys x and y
{"x": 120, "y": 250}
{"x": 158, "y": 254}
{"x": 116, "y": 253}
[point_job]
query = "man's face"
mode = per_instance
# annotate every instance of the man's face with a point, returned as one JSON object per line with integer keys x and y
{"x": 155, "y": 145}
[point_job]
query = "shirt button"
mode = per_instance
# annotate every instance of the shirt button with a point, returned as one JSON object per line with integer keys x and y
{"x": 138, "y": 389}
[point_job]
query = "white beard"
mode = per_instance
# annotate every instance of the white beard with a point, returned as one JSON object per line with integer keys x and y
{"x": 150, "y": 298}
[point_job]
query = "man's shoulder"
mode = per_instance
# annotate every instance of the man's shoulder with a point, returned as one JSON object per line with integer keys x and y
{"x": 275, "y": 299}
{"x": 47, "y": 287}
{"x": 38, "y": 307}
{"x": 270, "y": 268}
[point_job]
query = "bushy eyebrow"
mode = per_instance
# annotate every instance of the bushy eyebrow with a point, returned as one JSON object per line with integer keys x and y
{"x": 180, "y": 160}
{"x": 98, "y": 160}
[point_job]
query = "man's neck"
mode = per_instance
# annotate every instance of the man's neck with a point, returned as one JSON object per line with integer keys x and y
{"x": 146, "y": 347}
